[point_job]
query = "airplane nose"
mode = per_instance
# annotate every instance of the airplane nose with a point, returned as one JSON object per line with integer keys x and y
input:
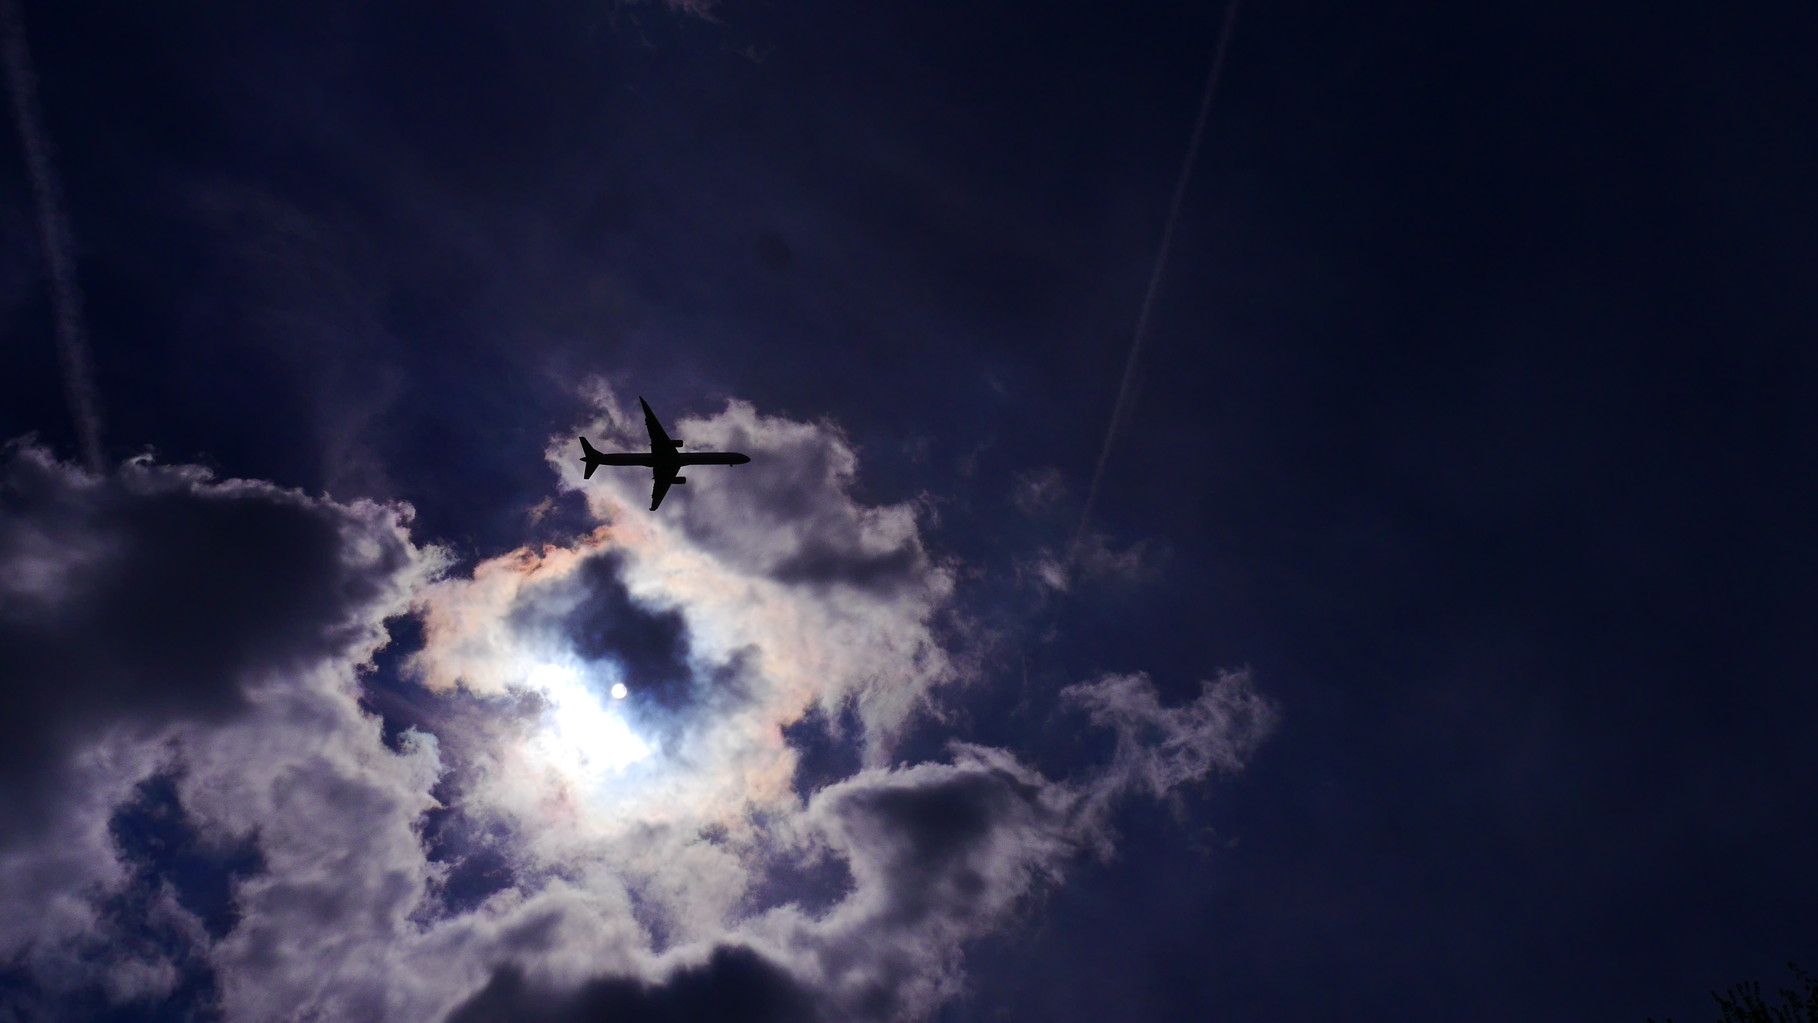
{"x": 742, "y": 460}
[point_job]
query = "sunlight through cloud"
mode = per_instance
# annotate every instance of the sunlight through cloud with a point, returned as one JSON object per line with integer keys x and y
{"x": 581, "y": 736}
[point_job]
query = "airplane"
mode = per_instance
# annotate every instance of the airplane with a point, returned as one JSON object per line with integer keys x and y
{"x": 664, "y": 459}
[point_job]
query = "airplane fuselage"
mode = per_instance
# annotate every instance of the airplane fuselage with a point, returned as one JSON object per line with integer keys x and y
{"x": 665, "y": 458}
{"x": 671, "y": 460}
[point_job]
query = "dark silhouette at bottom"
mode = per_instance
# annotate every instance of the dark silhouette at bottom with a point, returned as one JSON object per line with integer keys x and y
{"x": 1744, "y": 1004}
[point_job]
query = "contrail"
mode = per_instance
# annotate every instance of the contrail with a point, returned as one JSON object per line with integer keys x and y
{"x": 54, "y": 238}
{"x": 1121, "y": 410}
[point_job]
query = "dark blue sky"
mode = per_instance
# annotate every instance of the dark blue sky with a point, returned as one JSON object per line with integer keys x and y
{"x": 1476, "y": 419}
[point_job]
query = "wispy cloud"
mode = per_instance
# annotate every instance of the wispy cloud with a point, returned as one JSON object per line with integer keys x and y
{"x": 1093, "y": 558}
{"x": 55, "y": 240}
{"x": 1123, "y": 407}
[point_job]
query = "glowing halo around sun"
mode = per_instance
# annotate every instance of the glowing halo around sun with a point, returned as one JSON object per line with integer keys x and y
{"x": 582, "y": 736}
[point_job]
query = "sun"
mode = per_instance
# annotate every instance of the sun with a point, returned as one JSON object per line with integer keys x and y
{"x": 581, "y": 735}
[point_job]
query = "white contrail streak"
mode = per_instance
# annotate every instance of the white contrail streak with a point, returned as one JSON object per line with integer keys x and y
{"x": 54, "y": 238}
{"x": 1121, "y": 410}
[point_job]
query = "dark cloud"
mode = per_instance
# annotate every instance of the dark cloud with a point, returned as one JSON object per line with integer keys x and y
{"x": 164, "y": 637}
{"x": 933, "y": 838}
{"x": 734, "y": 985}
{"x": 155, "y": 594}
{"x": 939, "y": 855}
{"x": 825, "y": 560}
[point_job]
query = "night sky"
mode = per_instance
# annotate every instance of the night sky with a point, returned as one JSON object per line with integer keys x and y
{"x": 1441, "y": 643}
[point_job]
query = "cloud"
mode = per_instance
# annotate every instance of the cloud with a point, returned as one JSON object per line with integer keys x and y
{"x": 938, "y": 855}
{"x": 753, "y": 599}
{"x": 1094, "y": 559}
{"x": 143, "y": 614}
{"x": 150, "y": 597}
{"x": 778, "y": 575}
{"x": 733, "y": 985}
{"x": 1038, "y": 490}
{"x": 56, "y": 243}
{"x": 492, "y": 858}
{"x": 1160, "y": 749}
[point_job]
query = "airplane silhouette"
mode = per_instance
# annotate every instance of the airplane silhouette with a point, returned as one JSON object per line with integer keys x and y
{"x": 664, "y": 459}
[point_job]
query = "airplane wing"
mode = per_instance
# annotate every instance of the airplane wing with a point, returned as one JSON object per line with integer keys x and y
{"x": 659, "y": 485}
{"x": 659, "y": 440}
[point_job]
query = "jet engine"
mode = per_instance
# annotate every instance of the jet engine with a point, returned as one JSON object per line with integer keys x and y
{"x": 679, "y": 479}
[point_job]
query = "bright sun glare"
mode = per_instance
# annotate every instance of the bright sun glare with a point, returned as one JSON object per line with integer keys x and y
{"x": 581, "y": 735}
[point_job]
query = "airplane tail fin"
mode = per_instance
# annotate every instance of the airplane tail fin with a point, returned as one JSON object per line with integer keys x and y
{"x": 589, "y": 459}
